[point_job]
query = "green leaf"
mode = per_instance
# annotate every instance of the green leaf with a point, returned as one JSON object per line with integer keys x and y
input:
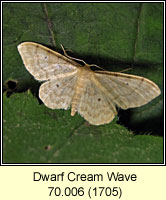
{"x": 35, "y": 134}
{"x": 114, "y": 36}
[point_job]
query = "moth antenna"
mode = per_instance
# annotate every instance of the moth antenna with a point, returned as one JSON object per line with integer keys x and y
{"x": 126, "y": 69}
{"x": 96, "y": 66}
{"x": 72, "y": 57}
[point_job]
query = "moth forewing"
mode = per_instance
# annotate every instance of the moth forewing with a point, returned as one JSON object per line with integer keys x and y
{"x": 128, "y": 91}
{"x": 44, "y": 63}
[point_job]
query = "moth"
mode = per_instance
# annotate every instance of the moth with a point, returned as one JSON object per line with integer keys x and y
{"x": 93, "y": 94}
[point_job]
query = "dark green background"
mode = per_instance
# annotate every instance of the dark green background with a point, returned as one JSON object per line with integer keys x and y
{"x": 114, "y": 36}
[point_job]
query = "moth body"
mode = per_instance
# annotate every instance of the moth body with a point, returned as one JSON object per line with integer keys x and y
{"x": 84, "y": 74}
